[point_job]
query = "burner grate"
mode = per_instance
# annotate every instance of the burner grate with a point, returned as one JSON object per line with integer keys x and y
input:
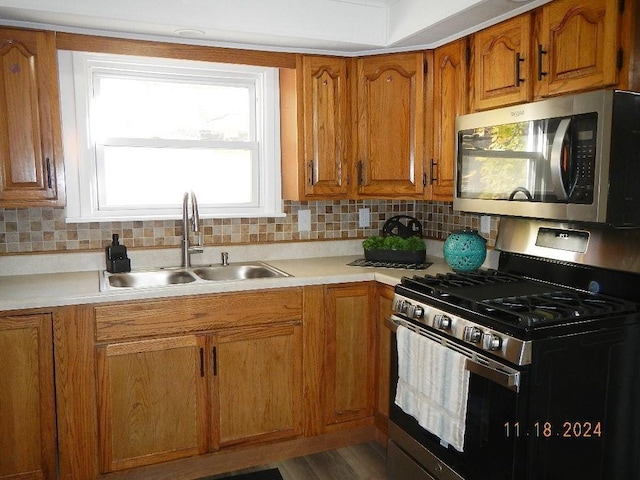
{"x": 466, "y": 279}
{"x": 559, "y": 306}
{"x": 515, "y": 301}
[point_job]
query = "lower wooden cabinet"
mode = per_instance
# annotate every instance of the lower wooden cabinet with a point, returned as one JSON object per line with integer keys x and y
{"x": 152, "y": 402}
{"x": 166, "y": 398}
{"x": 349, "y": 360}
{"x": 27, "y": 403}
{"x": 192, "y": 381}
{"x": 384, "y": 298}
{"x": 257, "y": 392}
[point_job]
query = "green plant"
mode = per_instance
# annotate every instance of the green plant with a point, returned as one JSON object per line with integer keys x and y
{"x": 394, "y": 243}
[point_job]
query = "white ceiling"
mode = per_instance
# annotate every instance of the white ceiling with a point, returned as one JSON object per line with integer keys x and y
{"x": 343, "y": 27}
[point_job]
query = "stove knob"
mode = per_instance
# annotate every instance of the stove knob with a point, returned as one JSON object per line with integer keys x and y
{"x": 418, "y": 312}
{"x": 491, "y": 341}
{"x": 396, "y": 306}
{"x": 400, "y": 306}
{"x": 472, "y": 334}
{"x": 441, "y": 322}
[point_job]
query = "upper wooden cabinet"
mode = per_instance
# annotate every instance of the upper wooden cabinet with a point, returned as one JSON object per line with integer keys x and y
{"x": 326, "y": 125}
{"x": 577, "y": 45}
{"x": 390, "y": 125}
{"x": 501, "y": 64}
{"x": 350, "y": 136}
{"x": 31, "y": 163}
{"x": 450, "y": 95}
{"x": 27, "y": 403}
{"x": 563, "y": 47}
{"x": 315, "y": 104}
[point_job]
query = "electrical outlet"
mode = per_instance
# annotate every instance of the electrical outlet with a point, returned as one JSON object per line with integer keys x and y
{"x": 485, "y": 224}
{"x": 364, "y": 219}
{"x": 304, "y": 220}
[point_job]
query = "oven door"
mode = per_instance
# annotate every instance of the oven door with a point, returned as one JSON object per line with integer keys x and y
{"x": 496, "y": 407}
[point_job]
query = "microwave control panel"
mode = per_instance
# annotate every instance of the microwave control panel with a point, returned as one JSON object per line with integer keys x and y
{"x": 583, "y": 158}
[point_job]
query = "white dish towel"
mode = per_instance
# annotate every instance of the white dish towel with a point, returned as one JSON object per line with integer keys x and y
{"x": 433, "y": 386}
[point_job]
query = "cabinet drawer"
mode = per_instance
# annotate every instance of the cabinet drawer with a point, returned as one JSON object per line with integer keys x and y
{"x": 176, "y": 315}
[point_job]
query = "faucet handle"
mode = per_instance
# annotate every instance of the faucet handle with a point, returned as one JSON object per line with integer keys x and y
{"x": 225, "y": 259}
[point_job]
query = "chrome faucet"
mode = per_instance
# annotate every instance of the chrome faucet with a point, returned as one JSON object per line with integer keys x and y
{"x": 190, "y": 224}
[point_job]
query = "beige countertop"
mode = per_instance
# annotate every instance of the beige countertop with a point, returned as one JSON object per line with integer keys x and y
{"x": 74, "y": 288}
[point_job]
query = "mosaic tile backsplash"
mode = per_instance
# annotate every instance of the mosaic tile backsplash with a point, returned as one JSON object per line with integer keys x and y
{"x": 45, "y": 230}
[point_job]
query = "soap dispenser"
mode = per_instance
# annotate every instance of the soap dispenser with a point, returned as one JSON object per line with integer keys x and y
{"x": 117, "y": 260}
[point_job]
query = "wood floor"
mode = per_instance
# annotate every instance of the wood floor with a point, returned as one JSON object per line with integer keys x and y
{"x": 366, "y": 461}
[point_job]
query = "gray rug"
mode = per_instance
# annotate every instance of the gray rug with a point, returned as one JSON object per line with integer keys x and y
{"x": 272, "y": 474}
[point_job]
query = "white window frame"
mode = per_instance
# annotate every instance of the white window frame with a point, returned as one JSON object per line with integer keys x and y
{"x": 76, "y": 70}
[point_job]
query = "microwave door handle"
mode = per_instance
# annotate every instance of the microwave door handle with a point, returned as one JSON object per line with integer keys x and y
{"x": 556, "y": 159}
{"x": 523, "y": 191}
{"x": 504, "y": 379}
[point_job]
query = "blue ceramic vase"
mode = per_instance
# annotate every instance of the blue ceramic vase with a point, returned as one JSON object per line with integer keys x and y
{"x": 465, "y": 250}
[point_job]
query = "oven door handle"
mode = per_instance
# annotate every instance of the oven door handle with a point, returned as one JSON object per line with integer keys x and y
{"x": 504, "y": 379}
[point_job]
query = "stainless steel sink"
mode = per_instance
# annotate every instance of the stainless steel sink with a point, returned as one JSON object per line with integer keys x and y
{"x": 164, "y": 277}
{"x": 152, "y": 278}
{"x": 219, "y": 273}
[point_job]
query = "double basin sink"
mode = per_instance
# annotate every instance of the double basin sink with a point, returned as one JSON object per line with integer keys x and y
{"x": 163, "y": 277}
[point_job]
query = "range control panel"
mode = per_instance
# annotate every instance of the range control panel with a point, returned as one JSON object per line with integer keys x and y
{"x": 512, "y": 349}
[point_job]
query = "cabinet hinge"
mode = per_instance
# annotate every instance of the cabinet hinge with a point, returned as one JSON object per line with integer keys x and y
{"x": 425, "y": 67}
{"x": 621, "y": 6}
{"x": 424, "y": 179}
{"x": 468, "y": 55}
{"x": 620, "y": 59}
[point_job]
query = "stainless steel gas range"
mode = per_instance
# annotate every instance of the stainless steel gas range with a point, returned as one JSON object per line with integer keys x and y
{"x": 542, "y": 353}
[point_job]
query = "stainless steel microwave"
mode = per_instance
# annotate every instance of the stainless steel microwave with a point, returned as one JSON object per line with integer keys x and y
{"x": 574, "y": 157}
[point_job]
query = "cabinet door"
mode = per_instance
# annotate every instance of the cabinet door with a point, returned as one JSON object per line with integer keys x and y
{"x": 390, "y": 125}
{"x": 349, "y": 350}
{"x": 383, "y": 355}
{"x": 578, "y": 46}
{"x": 502, "y": 64}
{"x": 258, "y": 384}
{"x": 449, "y": 99}
{"x": 326, "y": 125}
{"x": 151, "y": 401}
{"x": 27, "y": 411}
{"x": 30, "y": 138}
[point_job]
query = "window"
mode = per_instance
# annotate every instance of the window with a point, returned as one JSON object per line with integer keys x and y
{"x": 139, "y": 132}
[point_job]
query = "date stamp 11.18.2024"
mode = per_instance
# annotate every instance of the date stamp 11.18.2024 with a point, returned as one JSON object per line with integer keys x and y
{"x": 547, "y": 429}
